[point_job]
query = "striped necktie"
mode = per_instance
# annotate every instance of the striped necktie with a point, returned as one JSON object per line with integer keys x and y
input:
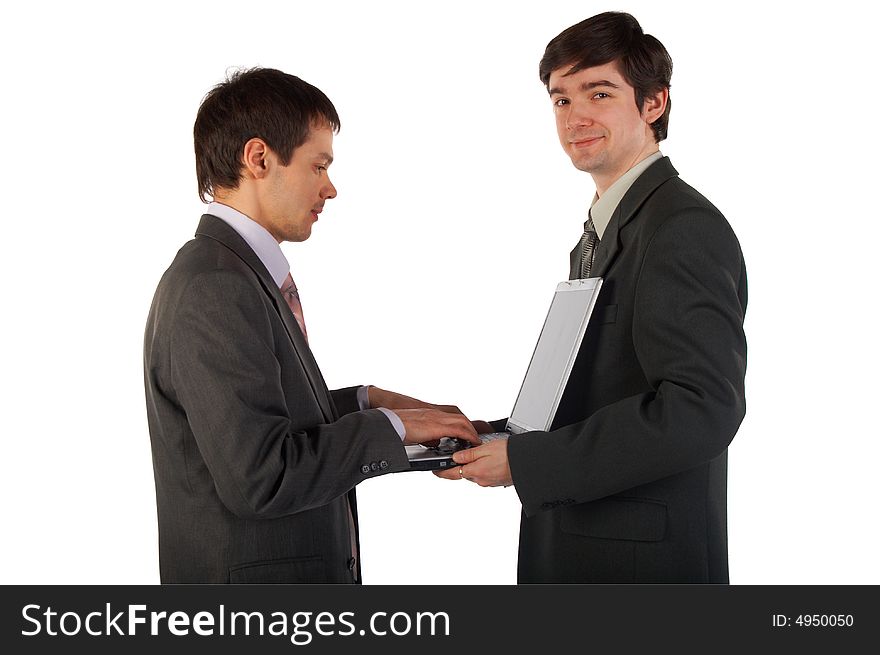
{"x": 291, "y": 295}
{"x": 588, "y": 247}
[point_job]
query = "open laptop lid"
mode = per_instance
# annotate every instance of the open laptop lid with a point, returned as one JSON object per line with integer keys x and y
{"x": 554, "y": 355}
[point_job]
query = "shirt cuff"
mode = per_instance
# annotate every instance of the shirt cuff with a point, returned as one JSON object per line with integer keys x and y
{"x": 363, "y": 397}
{"x": 395, "y": 421}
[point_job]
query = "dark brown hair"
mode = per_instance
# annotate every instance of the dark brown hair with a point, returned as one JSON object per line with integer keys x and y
{"x": 618, "y": 37}
{"x": 260, "y": 102}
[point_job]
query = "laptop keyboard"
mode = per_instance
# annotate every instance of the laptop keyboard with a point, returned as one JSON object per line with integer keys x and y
{"x": 449, "y": 445}
{"x": 493, "y": 436}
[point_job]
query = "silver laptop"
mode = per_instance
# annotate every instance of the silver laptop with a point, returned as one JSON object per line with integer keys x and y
{"x": 546, "y": 377}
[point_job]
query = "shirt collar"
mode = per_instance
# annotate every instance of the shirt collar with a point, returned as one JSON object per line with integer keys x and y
{"x": 603, "y": 208}
{"x": 257, "y": 237}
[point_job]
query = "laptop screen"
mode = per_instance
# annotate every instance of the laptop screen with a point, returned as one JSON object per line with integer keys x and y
{"x": 554, "y": 355}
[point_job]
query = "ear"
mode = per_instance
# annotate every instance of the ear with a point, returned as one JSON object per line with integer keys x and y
{"x": 655, "y": 105}
{"x": 256, "y": 158}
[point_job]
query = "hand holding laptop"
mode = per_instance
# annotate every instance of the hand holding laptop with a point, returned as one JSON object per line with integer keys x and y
{"x": 486, "y": 465}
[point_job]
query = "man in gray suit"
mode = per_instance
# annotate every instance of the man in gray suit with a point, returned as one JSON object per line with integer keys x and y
{"x": 630, "y": 483}
{"x": 255, "y": 460}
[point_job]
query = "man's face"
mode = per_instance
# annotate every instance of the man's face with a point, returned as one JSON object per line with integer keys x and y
{"x": 295, "y": 194}
{"x": 599, "y": 126}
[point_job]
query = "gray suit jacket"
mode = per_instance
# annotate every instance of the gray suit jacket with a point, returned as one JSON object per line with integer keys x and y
{"x": 255, "y": 460}
{"x": 630, "y": 485}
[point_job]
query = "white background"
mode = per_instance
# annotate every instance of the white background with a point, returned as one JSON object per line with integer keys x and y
{"x": 431, "y": 272}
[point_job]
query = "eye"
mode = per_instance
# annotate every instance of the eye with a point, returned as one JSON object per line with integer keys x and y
{"x": 560, "y": 102}
{"x": 601, "y": 95}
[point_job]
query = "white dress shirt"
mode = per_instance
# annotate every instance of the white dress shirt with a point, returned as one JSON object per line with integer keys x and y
{"x": 603, "y": 208}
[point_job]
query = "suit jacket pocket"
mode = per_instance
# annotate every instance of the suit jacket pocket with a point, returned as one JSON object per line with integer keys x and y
{"x": 604, "y": 314}
{"x": 633, "y": 519}
{"x": 292, "y": 570}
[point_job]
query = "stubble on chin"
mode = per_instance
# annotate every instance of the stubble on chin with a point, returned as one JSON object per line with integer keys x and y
{"x": 302, "y": 233}
{"x": 589, "y": 164}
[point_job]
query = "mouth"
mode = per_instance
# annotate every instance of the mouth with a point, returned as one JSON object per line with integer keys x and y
{"x": 585, "y": 142}
{"x": 316, "y": 211}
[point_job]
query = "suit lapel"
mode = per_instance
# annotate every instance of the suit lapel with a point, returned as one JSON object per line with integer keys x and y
{"x": 307, "y": 359}
{"x": 648, "y": 182}
{"x": 214, "y": 228}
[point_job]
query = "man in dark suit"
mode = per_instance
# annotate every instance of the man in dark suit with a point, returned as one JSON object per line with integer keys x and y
{"x": 630, "y": 484}
{"x": 255, "y": 460}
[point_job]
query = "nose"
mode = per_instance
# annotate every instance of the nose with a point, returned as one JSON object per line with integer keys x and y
{"x": 579, "y": 115}
{"x": 329, "y": 191}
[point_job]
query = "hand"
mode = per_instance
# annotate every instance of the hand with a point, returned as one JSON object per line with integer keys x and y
{"x": 397, "y": 401}
{"x": 431, "y": 425}
{"x": 487, "y": 465}
{"x": 394, "y": 401}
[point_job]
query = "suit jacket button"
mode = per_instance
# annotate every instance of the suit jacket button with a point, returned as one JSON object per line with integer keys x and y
{"x": 383, "y": 465}
{"x": 351, "y": 564}
{"x": 365, "y": 469}
{"x": 374, "y": 466}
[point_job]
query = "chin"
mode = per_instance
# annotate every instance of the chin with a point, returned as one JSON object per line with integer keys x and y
{"x": 584, "y": 166}
{"x": 588, "y": 164}
{"x": 297, "y": 237}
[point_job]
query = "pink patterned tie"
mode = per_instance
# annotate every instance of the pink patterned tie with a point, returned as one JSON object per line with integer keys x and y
{"x": 291, "y": 295}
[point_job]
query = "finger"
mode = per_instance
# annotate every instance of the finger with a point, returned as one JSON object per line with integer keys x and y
{"x": 465, "y": 430}
{"x": 448, "y": 474}
{"x": 468, "y": 455}
{"x": 458, "y": 431}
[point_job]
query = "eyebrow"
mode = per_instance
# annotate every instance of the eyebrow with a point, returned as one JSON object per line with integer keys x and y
{"x": 326, "y": 156}
{"x": 586, "y": 86}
